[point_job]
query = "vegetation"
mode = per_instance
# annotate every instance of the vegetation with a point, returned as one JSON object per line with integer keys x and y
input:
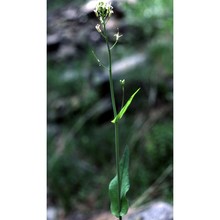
{"x": 80, "y": 144}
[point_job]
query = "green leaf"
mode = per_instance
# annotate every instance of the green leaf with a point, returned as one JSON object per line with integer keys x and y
{"x": 120, "y": 208}
{"x": 124, "y": 109}
{"x": 113, "y": 194}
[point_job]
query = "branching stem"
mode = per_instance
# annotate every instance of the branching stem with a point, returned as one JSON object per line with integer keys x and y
{"x": 98, "y": 60}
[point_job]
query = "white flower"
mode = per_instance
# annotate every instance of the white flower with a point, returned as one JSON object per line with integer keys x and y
{"x": 98, "y": 28}
{"x": 117, "y": 36}
{"x": 103, "y": 10}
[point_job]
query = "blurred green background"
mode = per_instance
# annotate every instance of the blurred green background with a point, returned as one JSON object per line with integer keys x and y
{"x": 80, "y": 153}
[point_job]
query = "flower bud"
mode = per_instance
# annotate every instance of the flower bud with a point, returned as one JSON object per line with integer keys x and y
{"x": 98, "y": 28}
{"x": 122, "y": 82}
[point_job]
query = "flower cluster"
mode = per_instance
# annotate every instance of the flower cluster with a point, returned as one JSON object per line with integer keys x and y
{"x": 103, "y": 11}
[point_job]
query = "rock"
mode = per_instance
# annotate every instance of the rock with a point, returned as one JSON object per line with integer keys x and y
{"x": 104, "y": 216}
{"x": 70, "y": 14}
{"x": 121, "y": 67}
{"x": 128, "y": 63}
{"x": 66, "y": 51}
{"x": 53, "y": 42}
{"x": 52, "y": 213}
{"x": 155, "y": 211}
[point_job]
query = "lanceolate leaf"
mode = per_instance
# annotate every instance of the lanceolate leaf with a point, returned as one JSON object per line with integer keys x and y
{"x": 120, "y": 208}
{"x": 124, "y": 109}
{"x": 113, "y": 194}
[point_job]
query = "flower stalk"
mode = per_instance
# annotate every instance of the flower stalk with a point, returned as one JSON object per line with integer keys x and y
{"x": 119, "y": 185}
{"x": 116, "y": 125}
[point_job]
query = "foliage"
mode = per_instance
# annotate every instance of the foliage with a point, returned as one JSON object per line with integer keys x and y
{"x": 124, "y": 108}
{"x": 122, "y": 208}
{"x": 80, "y": 141}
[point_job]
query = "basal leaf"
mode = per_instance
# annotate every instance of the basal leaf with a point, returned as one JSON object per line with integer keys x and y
{"x": 125, "y": 185}
{"x": 122, "y": 208}
{"x": 124, "y": 109}
{"x": 113, "y": 194}
{"x": 124, "y": 166}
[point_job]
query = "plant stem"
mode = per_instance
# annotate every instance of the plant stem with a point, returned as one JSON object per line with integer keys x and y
{"x": 117, "y": 164}
{"x": 115, "y": 114}
{"x": 110, "y": 72}
{"x": 123, "y": 97}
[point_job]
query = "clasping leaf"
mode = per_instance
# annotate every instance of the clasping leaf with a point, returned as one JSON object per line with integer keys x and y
{"x": 124, "y": 109}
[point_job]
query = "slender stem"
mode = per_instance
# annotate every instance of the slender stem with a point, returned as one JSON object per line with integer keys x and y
{"x": 98, "y": 60}
{"x": 123, "y": 97}
{"x": 114, "y": 44}
{"x": 110, "y": 73}
{"x": 115, "y": 114}
{"x": 117, "y": 163}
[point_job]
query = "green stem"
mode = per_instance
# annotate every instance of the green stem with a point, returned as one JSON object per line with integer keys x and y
{"x": 123, "y": 97}
{"x": 117, "y": 163}
{"x": 110, "y": 73}
{"x": 115, "y": 114}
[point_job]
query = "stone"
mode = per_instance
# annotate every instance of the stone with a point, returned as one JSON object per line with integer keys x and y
{"x": 52, "y": 213}
{"x": 53, "y": 42}
{"x": 155, "y": 211}
{"x": 70, "y": 14}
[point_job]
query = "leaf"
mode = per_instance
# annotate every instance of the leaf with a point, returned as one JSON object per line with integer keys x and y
{"x": 113, "y": 194}
{"x": 120, "y": 209}
{"x": 124, "y": 109}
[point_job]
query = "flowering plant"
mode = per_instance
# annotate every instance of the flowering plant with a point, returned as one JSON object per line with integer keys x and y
{"x": 119, "y": 185}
